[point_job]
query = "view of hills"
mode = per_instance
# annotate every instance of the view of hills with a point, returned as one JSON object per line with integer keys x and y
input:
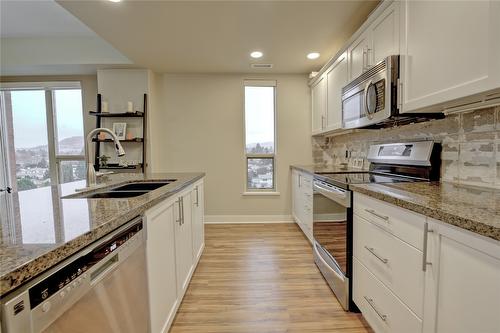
{"x": 260, "y": 147}
{"x": 69, "y": 146}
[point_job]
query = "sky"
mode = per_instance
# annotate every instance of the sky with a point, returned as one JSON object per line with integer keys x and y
{"x": 29, "y": 116}
{"x": 259, "y": 114}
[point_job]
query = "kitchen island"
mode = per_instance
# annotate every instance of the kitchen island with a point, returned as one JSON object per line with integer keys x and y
{"x": 47, "y": 228}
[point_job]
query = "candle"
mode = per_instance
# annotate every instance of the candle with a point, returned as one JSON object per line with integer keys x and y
{"x": 130, "y": 107}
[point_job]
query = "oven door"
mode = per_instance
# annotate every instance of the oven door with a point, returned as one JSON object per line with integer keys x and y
{"x": 330, "y": 205}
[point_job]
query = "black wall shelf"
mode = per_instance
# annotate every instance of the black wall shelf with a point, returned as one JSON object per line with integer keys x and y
{"x": 117, "y": 114}
{"x": 137, "y": 114}
{"x": 126, "y": 140}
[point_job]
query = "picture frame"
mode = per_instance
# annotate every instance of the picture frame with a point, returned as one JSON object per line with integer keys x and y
{"x": 120, "y": 129}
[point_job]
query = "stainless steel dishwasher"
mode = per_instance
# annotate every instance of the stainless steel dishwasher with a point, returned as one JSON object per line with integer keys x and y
{"x": 102, "y": 288}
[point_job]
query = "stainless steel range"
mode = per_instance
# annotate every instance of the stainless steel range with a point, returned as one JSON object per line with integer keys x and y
{"x": 332, "y": 205}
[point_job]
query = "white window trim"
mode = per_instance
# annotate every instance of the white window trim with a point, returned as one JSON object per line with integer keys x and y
{"x": 261, "y": 192}
{"x": 40, "y": 85}
{"x": 49, "y": 87}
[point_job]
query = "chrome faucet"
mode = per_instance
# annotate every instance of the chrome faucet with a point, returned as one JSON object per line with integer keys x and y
{"x": 91, "y": 175}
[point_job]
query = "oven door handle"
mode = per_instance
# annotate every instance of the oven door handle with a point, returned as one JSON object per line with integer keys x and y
{"x": 338, "y": 195}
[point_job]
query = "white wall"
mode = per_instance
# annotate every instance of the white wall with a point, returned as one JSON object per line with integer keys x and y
{"x": 197, "y": 125}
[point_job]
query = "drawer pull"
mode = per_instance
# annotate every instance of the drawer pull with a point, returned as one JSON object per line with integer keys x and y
{"x": 371, "y": 211}
{"x": 372, "y": 251}
{"x": 424, "y": 255}
{"x": 370, "y": 301}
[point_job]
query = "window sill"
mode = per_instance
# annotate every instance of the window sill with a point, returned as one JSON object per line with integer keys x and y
{"x": 258, "y": 193}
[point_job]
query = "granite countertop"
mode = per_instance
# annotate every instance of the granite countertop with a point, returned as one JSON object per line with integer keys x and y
{"x": 46, "y": 229}
{"x": 325, "y": 168}
{"x": 470, "y": 208}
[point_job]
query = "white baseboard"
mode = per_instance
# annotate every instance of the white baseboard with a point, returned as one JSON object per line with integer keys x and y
{"x": 216, "y": 219}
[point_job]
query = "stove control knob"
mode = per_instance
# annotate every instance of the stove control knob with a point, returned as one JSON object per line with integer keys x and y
{"x": 46, "y": 307}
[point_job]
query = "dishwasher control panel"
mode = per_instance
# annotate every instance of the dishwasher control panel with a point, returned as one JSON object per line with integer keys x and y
{"x": 72, "y": 275}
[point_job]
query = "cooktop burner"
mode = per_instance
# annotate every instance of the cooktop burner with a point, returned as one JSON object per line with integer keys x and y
{"x": 348, "y": 178}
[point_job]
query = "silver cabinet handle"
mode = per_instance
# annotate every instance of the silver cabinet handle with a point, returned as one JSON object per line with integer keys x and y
{"x": 322, "y": 122}
{"x": 372, "y": 304}
{"x": 372, "y": 251}
{"x": 179, "y": 220}
{"x": 371, "y": 211}
{"x": 424, "y": 254}
{"x": 300, "y": 185}
{"x": 197, "y": 199}
{"x": 182, "y": 205}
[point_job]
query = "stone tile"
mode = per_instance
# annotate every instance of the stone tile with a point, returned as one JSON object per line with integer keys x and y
{"x": 497, "y": 118}
{"x": 479, "y": 120}
{"x": 450, "y": 159}
{"x": 477, "y": 163}
{"x": 497, "y": 182}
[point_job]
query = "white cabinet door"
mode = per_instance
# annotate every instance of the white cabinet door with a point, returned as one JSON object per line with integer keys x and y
{"x": 160, "y": 256}
{"x": 183, "y": 242}
{"x": 385, "y": 35}
{"x": 357, "y": 54}
{"x": 198, "y": 227}
{"x": 462, "y": 283}
{"x": 295, "y": 193}
{"x": 449, "y": 50}
{"x": 318, "y": 95}
{"x": 336, "y": 78}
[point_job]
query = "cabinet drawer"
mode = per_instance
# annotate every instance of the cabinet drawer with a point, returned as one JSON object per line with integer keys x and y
{"x": 380, "y": 307}
{"x": 394, "y": 262}
{"x": 400, "y": 222}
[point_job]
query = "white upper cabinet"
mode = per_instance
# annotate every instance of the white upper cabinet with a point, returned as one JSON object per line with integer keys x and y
{"x": 379, "y": 40}
{"x": 385, "y": 35}
{"x": 336, "y": 78}
{"x": 358, "y": 55}
{"x": 318, "y": 95}
{"x": 449, "y": 50}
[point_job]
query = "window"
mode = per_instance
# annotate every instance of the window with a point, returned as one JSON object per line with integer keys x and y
{"x": 44, "y": 141}
{"x": 260, "y": 135}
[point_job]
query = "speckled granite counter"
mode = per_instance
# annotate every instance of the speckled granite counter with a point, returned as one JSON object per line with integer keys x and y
{"x": 471, "y": 208}
{"x": 47, "y": 229}
{"x": 324, "y": 168}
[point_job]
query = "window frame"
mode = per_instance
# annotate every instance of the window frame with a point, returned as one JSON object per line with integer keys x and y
{"x": 273, "y": 156}
{"x": 49, "y": 88}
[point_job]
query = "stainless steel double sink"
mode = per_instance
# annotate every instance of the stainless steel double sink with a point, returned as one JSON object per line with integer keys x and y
{"x": 129, "y": 190}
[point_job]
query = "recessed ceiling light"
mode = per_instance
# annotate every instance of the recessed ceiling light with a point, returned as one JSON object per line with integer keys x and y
{"x": 313, "y": 55}
{"x": 115, "y": 0}
{"x": 256, "y": 54}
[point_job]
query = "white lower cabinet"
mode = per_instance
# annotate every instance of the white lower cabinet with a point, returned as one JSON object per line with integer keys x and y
{"x": 302, "y": 199}
{"x": 383, "y": 310}
{"x": 415, "y": 274}
{"x": 462, "y": 282}
{"x": 396, "y": 263}
{"x": 183, "y": 241}
{"x": 198, "y": 219}
{"x": 160, "y": 254}
{"x": 172, "y": 227}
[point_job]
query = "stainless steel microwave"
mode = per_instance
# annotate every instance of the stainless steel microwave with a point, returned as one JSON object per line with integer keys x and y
{"x": 371, "y": 98}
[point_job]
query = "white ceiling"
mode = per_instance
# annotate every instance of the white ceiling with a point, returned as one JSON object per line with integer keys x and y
{"x": 217, "y": 36}
{"x": 42, "y": 18}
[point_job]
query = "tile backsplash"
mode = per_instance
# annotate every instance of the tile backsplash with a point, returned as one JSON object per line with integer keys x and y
{"x": 471, "y": 145}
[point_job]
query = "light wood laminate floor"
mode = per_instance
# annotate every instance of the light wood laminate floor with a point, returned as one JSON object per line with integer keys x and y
{"x": 260, "y": 278}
